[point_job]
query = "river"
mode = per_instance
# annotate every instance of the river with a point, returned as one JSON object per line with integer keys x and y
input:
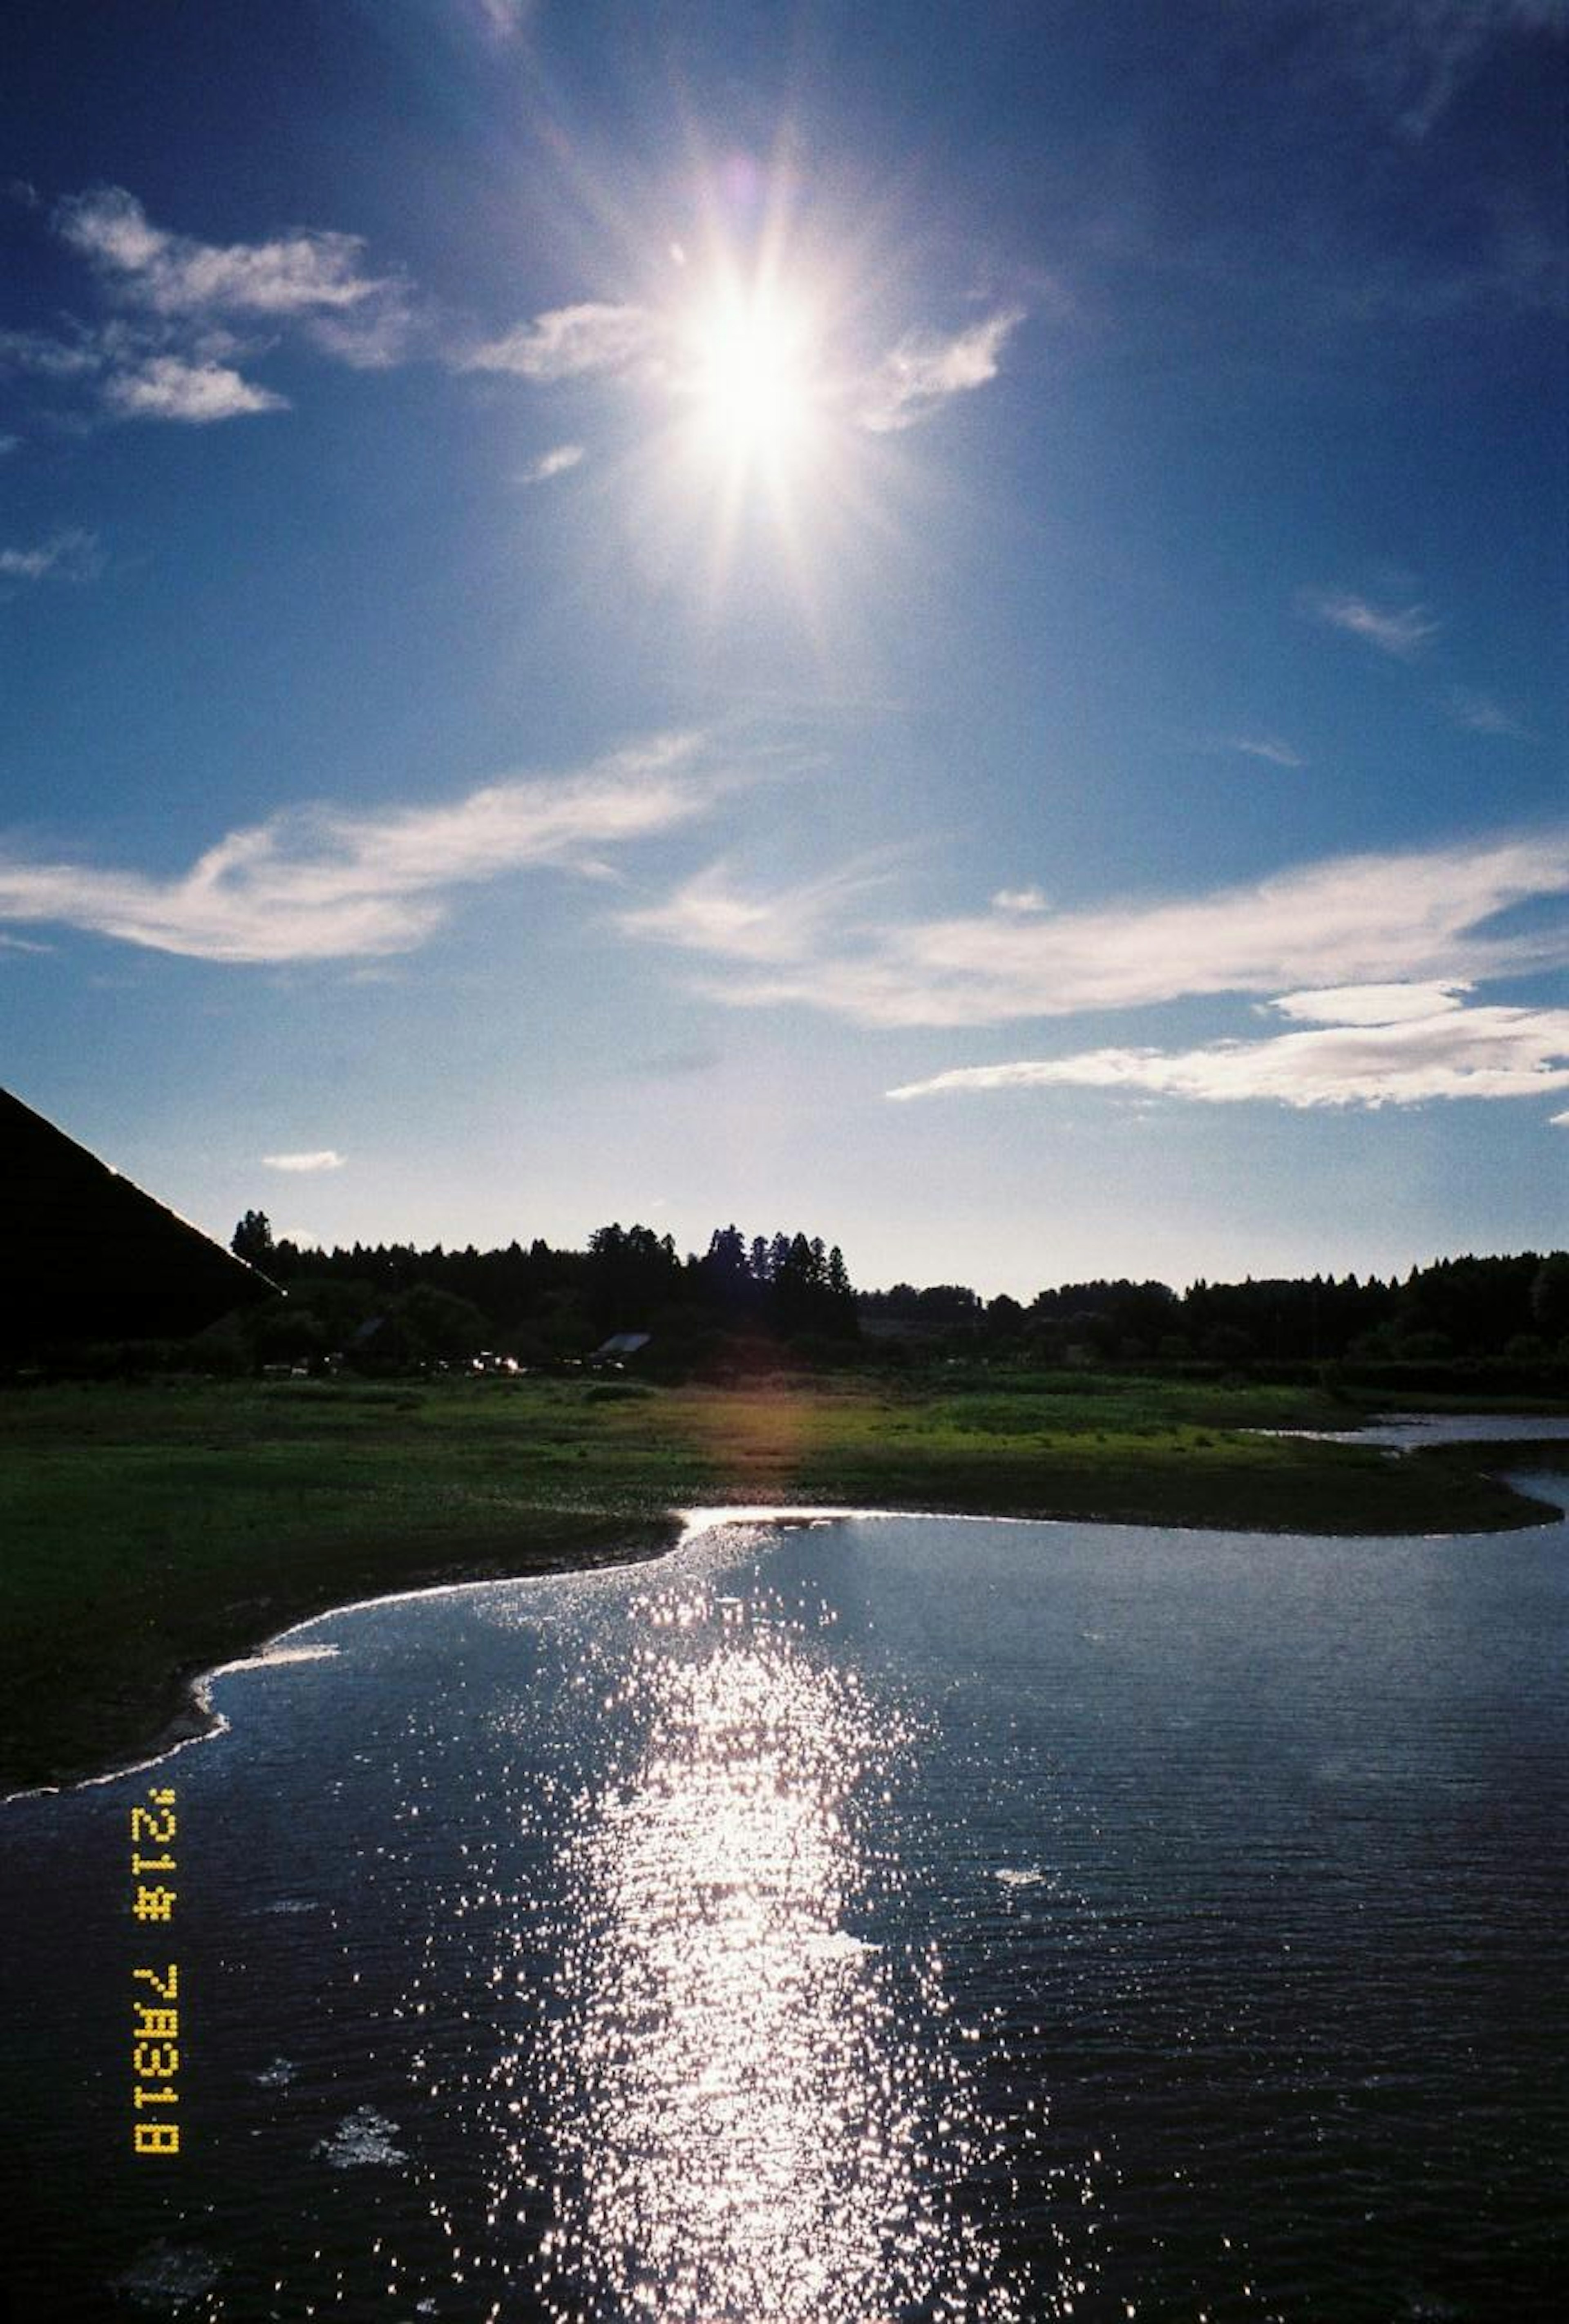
{"x": 883, "y": 1921}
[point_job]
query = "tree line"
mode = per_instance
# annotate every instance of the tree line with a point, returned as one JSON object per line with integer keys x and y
{"x": 1515, "y": 1308}
{"x": 398, "y": 1305}
{"x": 393, "y": 1303}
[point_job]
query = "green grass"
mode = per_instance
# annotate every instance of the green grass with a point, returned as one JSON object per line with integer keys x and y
{"x": 152, "y": 1531}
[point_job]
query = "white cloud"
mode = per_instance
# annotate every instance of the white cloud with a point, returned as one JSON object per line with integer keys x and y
{"x": 1401, "y": 630}
{"x": 1353, "y": 920}
{"x": 1019, "y": 900}
{"x": 605, "y": 339}
{"x": 554, "y": 462}
{"x": 305, "y": 273}
{"x": 1264, "y": 746}
{"x": 1371, "y": 1004}
{"x": 167, "y": 387}
{"x": 169, "y": 353}
{"x": 1559, "y": 1121}
{"x": 72, "y": 555}
{"x": 569, "y": 343}
{"x": 321, "y": 884}
{"x": 924, "y": 371}
{"x": 327, "y": 1159}
{"x": 1458, "y": 1053}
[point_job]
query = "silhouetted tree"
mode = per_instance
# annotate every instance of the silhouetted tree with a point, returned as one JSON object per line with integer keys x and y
{"x": 252, "y": 1240}
{"x": 1550, "y": 1295}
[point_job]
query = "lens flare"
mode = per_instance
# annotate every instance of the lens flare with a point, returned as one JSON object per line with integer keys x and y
{"x": 750, "y": 383}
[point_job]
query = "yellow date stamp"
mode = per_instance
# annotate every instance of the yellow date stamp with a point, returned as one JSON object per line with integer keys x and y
{"x": 155, "y": 1999}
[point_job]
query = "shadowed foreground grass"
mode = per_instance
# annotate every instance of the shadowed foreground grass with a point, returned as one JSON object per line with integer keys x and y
{"x": 152, "y": 1531}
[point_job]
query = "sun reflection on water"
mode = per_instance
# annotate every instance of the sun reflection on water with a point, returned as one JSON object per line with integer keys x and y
{"x": 750, "y": 2110}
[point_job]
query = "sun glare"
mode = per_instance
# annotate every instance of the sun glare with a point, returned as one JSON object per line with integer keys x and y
{"x": 751, "y": 384}
{"x": 756, "y": 483}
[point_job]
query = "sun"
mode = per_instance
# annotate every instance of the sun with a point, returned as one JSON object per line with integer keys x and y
{"x": 756, "y": 489}
{"x": 749, "y": 385}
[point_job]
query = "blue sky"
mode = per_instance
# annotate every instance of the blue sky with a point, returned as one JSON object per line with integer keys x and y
{"x": 940, "y": 625}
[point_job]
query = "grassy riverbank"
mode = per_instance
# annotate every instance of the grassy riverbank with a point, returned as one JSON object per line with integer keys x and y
{"x": 152, "y": 1531}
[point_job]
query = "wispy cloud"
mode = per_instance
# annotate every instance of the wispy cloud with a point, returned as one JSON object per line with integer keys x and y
{"x": 1019, "y": 900}
{"x": 603, "y": 339}
{"x": 1398, "y": 630}
{"x": 372, "y": 337}
{"x": 569, "y": 343}
{"x": 73, "y": 555}
{"x": 167, "y": 387}
{"x": 925, "y": 371}
{"x": 554, "y": 462}
{"x": 321, "y": 883}
{"x": 1478, "y": 713}
{"x": 44, "y": 354}
{"x": 504, "y": 20}
{"x": 1414, "y": 56}
{"x": 1364, "y": 920}
{"x": 1263, "y": 746}
{"x": 708, "y": 914}
{"x": 1453, "y": 1052}
{"x": 326, "y": 1158}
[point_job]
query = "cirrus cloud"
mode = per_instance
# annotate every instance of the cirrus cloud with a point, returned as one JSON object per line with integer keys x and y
{"x": 1414, "y": 55}
{"x": 557, "y": 462}
{"x": 1480, "y": 714}
{"x": 1268, "y": 747}
{"x": 71, "y": 555}
{"x": 1454, "y": 1053}
{"x": 1400, "y": 630}
{"x": 1418, "y": 917}
{"x": 569, "y": 343}
{"x": 708, "y": 913}
{"x": 599, "y": 339}
{"x": 324, "y": 1158}
{"x": 925, "y": 370}
{"x": 322, "y": 884}
{"x": 1371, "y": 1004}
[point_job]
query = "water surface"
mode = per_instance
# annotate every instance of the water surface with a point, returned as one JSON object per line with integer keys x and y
{"x": 903, "y": 1919}
{"x": 1407, "y": 1431}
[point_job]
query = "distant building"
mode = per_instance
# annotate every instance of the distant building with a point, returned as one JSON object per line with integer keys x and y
{"x": 86, "y": 1255}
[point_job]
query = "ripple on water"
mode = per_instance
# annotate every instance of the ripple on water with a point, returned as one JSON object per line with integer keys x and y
{"x": 744, "y": 2112}
{"x": 903, "y": 1923}
{"x": 362, "y": 2137}
{"x": 169, "y": 2276}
